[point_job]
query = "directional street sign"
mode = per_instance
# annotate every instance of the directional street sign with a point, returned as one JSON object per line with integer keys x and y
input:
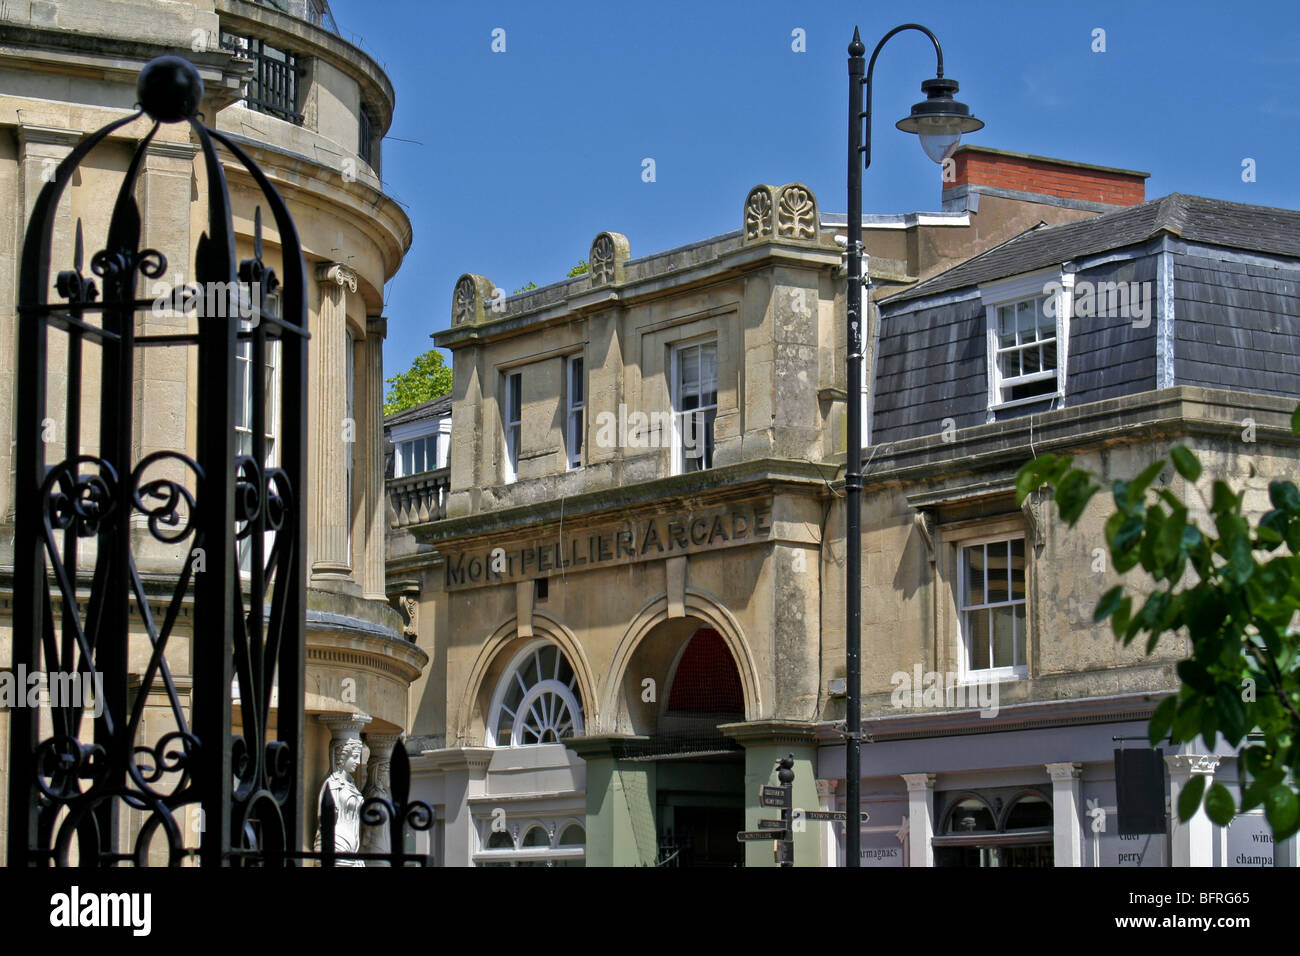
{"x": 744, "y": 835}
{"x": 837, "y": 815}
{"x": 772, "y": 825}
{"x": 774, "y": 797}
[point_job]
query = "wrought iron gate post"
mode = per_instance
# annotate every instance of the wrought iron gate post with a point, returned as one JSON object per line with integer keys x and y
{"x": 247, "y": 788}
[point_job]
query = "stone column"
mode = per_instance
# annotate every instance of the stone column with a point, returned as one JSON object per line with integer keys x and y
{"x": 920, "y": 818}
{"x": 830, "y": 835}
{"x": 1192, "y": 843}
{"x": 370, "y": 462}
{"x": 1067, "y": 822}
{"x": 377, "y": 839}
{"x": 327, "y": 454}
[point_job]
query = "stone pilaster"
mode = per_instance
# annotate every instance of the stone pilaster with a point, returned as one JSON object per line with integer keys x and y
{"x": 1067, "y": 822}
{"x": 830, "y": 838}
{"x": 328, "y": 451}
{"x": 1193, "y": 841}
{"x": 370, "y": 463}
{"x": 376, "y": 839}
{"x": 920, "y": 818}
{"x": 40, "y": 150}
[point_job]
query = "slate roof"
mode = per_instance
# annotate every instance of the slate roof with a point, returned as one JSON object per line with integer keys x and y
{"x": 433, "y": 408}
{"x": 1194, "y": 218}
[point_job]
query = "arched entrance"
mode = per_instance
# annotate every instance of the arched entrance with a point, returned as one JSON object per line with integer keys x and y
{"x": 688, "y": 685}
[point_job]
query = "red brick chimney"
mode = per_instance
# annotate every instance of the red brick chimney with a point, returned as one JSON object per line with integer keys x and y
{"x": 979, "y": 170}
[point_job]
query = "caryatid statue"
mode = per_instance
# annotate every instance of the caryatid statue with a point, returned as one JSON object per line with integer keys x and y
{"x": 345, "y": 757}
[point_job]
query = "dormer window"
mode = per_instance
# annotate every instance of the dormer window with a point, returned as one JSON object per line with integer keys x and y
{"x": 1026, "y": 333}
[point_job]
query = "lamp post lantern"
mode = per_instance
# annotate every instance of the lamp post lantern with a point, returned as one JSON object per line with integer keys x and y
{"x": 939, "y": 121}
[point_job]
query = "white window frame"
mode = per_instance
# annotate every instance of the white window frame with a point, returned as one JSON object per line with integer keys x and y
{"x": 569, "y": 693}
{"x": 516, "y": 854}
{"x": 678, "y": 437}
{"x": 967, "y": 674}
{"x": 1055, "y": 283}
{"x": 436, "y": 435}
{"x": 512, "y": 429}
{"x": 575, "y": 371}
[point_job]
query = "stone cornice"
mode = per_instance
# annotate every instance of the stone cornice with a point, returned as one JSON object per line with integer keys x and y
{"x": 1030, "y": 715}
{"x": 1169, "y": 413}
{"x": 607, "y": 745}
{"x": 311, "y": 182}
{"x": 388, "y": 657}
{"x": 723, "y": 485}
{"x": 118, "y": 60}
{"x": 452, "y": 759}
{"x": 649, "y": 278}
{"x": 757, "y": 732}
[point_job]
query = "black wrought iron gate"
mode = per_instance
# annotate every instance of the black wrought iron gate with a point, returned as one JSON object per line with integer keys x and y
{"x": 81, "y": 520}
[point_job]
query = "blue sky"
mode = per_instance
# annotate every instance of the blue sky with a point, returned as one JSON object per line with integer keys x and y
{"x": 524, "y": 156}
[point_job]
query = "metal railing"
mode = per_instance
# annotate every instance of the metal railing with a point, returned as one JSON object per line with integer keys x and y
{"x": 273, "y": 87}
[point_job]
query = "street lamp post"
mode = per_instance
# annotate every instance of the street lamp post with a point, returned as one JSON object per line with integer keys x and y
{"x": 939, "y": 121}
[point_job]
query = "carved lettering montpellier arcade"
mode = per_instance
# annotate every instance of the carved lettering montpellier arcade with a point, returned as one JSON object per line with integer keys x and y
{"x": 640, "y": 540}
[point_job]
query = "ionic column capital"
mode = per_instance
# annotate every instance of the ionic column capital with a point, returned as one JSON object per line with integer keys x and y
{"x": 337, "y": 272}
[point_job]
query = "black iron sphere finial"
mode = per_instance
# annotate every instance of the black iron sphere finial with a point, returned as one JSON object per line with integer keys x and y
{"x": 170, "y": 89}
{"x": 857, "y": 47}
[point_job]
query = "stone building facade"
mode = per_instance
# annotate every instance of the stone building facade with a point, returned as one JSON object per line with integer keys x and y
{"x": 630, "y": 578}
{"x": 312, "y": 110}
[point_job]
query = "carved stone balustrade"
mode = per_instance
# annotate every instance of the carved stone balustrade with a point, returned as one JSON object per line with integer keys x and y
{"x": 419, "y": 498}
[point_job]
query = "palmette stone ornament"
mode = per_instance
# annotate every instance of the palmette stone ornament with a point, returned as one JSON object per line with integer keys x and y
{"x": 758, "y": 214}
{"x": 796, "y": 212}
{"x": 345, "y": 757}
{"x": 471, "y": 299}
{"x": 609, "y": 251}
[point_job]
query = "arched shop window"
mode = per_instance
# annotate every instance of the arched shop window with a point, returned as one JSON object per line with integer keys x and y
{"x": 536, "y": 847}
{"x": 970, "y": 816}
{"x": 1030, "y": 812}
{"x": 499, "y": 840}
{"x": 977, "y": 832}
{"x": 535, "y": 838}
{"x": 536, "y": 701}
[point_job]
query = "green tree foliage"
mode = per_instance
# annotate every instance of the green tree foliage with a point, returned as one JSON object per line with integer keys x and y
{"x": 427, "y": 378}
{"x": 579, "y": 270}
{"x": 1238, "y": 607}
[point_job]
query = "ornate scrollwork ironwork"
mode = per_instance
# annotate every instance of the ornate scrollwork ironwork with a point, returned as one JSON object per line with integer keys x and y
{"x": 80, "y": 502}
{"x": 87, "y": 611}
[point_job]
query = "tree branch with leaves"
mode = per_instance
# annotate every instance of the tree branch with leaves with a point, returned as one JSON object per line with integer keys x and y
{"x": 1234, "y": 590}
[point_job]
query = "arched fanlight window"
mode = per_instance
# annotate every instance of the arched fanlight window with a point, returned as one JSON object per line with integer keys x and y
{"x": 971, "y": 815}
{"x": 1030, "y": 812}
{"x": 573, "y": 835}
{"x": 536, "y": 701}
